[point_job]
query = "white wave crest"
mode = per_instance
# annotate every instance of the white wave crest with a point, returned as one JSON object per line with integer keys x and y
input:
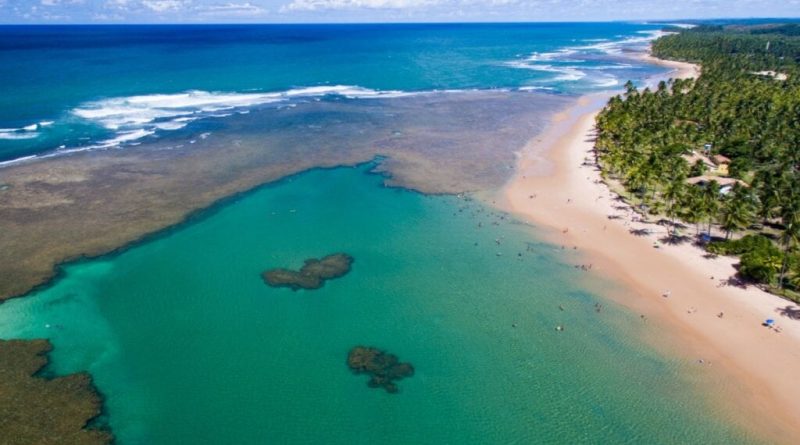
{"x": 569, "y": 64}
{"x": 17, "y": 160}
{"x": 535, "y": 88}
{"x": 145, "y": 114}
{"x": 18, "y": 135}
{"x": 606, "y": 82}
{"x": 564, "y": 73}
{"x": 26, "y": 132}
{"x": 135, "y": 117}
{"x": 682, "y": 25}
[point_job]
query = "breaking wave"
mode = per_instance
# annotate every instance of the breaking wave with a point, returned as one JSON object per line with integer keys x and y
{"x": 601, "y": 57}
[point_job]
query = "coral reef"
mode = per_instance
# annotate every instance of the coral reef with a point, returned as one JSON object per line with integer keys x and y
{"x": 36, "y": 410}
{"x": 384, "y": 368}
{"x": 312, "y": 275}
{"x": 91, "y": 203}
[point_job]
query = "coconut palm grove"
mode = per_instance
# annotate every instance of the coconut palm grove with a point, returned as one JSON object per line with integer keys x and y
{"x": 721, "y": 151}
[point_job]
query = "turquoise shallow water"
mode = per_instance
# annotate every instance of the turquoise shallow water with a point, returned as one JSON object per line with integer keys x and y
{"x": 190, "y": 346}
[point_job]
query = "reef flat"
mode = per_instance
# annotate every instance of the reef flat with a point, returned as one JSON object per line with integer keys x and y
{"x": 312, "y": 275}
{"x": 37, "y": 410}
{"x": 90, "y": 203}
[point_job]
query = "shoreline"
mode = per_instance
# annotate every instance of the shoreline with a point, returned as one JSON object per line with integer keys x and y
{"x": 557, "y": 186}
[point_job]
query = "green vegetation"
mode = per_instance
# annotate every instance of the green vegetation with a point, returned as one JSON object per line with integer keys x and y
{"x": 760, "y": 259}
{"x": 723, "y": 149}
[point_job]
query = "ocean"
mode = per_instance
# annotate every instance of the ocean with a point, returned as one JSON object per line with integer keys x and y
{"x": 67, "y": 88}
{"x": 188, "y": 345}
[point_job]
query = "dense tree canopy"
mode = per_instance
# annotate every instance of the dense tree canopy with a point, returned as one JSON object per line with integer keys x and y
{"x": 746, "y": 107}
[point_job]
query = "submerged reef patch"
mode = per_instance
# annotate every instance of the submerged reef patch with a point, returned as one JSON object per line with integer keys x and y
{"x": 384, "y": 368}
{"x": 312, "y": 275}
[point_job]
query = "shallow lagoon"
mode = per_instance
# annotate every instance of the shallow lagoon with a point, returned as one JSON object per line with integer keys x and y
{"x": 188, "y": 344}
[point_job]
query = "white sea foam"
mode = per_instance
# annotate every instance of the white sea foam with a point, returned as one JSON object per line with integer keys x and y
{"x": 145, "y": 114}
{"x": 682, "y": 25}
{"x": 24, "y": 132}
{"x": 569, "y": 64}
{"x": 130, "y": 137}
{"x": 606, "y": 82}
{"x": 134, "y": 111}
{"x": 172, "y": 125}
{"x": 564, "y": 73}
{"x": 17, "y": 160}
{"x": 11, "y": 134}
{"x": 619, "y": 66}
{"x": 122, "y": 137}
{"x": 18, "y": 136}
{"x": 535, "y": 88}
{"x": 132, "y": 118}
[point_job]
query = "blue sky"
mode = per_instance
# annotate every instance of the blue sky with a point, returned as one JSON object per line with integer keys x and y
{"x": 284, "y": 11}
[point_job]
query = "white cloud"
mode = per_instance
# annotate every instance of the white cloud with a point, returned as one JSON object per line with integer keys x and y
{"x": 230, "y": 9}
{"x": 313, "y": 5}
{"x": 165, "y": 5}
{"x": 60, "y": 2}
{"x": 317, "y": 5}
{"x": 100, "y": 17}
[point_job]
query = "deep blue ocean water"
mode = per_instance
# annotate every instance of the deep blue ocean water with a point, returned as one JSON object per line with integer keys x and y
{"x": 73, "y": 87}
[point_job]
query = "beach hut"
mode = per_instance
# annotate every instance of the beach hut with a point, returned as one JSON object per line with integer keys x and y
{"x": 725, "y": 184}
{"x": 694, "y": 157}
{"x": 721, "y": 164}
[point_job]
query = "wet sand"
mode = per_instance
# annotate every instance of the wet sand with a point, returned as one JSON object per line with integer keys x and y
{"x": 557, "y": 187}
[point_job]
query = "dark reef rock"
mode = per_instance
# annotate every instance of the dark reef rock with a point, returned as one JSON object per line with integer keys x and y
{"x": 313, "y": 273}
{"x": 36, "y": 410}
{"x": 384, "y": 368}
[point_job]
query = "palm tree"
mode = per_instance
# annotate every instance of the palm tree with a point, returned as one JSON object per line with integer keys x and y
{"x": 639, "y": 178}
{"x": 737, "y": 210}
{"x": 673, "y": 195}
{"x": 790, "y": 235}
{"x": 692, "y": 210}
{"x": 630, "y": 88}
{"x": 710, "y": 202}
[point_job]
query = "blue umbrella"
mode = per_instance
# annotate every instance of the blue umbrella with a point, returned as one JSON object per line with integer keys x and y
{"x": 770, "y": 322}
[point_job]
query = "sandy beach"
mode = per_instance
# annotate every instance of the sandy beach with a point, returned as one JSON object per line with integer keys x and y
{"x": 756, "y": 367}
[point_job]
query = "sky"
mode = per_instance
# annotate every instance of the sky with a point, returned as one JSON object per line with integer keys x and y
{"x": 314, "y": 11}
